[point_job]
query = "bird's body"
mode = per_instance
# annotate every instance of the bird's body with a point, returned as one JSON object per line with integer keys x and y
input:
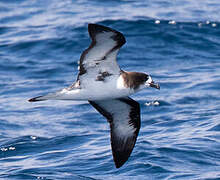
{"x": 107, "y": 87}
{"x": 112, "y": 87}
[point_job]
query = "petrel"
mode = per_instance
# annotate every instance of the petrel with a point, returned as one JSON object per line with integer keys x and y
{"x": 107, "y": 88}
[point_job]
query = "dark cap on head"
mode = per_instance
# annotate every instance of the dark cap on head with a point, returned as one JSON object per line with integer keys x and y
{"x": 134, "y": 79}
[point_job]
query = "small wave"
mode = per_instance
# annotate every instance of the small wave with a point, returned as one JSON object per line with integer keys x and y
{"x": 157, "y": 103}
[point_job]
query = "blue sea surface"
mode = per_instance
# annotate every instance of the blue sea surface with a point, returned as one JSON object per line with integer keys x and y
{"x": 176, "y": 42}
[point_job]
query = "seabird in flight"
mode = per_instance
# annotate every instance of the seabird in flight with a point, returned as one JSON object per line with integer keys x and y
{"x": 107, "y": 88}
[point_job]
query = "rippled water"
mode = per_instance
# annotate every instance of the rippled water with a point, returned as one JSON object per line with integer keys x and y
{"x": 176, "y": 42}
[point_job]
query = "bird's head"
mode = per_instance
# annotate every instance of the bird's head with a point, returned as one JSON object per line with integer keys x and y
{"x": 150, "y": 83}
{"x": 144, "y": 80}
{"x": 138, "y": 80}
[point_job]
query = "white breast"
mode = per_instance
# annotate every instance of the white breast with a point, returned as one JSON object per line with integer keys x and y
{"x": 113, "y": 87}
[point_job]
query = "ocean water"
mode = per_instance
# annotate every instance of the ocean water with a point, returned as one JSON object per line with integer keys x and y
{"x": 177, "y": 42}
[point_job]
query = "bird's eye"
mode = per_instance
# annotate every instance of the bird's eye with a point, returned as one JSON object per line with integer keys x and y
{"x": 147, "y": 77}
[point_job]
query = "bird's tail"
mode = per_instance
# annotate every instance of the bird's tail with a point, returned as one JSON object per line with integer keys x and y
{"x": 38, "y": 98}
{"x": 45, "y": 97}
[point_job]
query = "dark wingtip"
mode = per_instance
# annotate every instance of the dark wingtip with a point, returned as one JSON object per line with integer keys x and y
{"x": 120, "y": 158}
{"x": 36, "y": 99}
{"x": 118, "y": 165}
{"x": 97, "y": 28}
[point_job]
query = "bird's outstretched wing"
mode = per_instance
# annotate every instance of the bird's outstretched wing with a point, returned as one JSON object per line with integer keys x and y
{"x": 123, "y": 114}
{"x": 99, "y": 60}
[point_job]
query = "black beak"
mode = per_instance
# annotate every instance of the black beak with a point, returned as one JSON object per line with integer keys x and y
{"x": 155, "y": 85}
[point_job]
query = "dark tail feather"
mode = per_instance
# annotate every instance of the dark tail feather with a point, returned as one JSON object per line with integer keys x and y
{"x": 39, "y": 98}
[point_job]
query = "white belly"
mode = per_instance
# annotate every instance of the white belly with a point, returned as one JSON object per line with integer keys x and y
{"x": 97, "y": 90}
